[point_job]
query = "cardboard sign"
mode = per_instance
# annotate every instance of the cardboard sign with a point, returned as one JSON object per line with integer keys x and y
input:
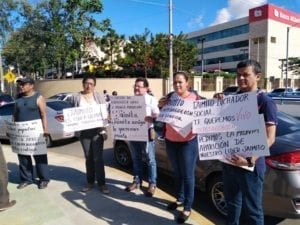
{"x": 83, "y": 118}
{"x": 235, "y": 112}
{"x": 128, "y": 118}
{"x": 246, "y": 142}
{"x": 27, "y": 138}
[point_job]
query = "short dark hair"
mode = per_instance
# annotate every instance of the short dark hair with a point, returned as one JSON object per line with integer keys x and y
{"x": 184, "y": 74}
{"x": 144, "y": 80}
{"x": 89, "y": 77}
{"x": 250, "y": 62}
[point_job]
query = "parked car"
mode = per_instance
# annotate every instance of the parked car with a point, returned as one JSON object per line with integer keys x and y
{"x": 61, "y": 96}
{"x": 280, "y": 92}
{"x": 282, "y": 180}
{"x": 54, "y": 116}
{"x": 5, "y": 98}
{"x": 230, "y": 90}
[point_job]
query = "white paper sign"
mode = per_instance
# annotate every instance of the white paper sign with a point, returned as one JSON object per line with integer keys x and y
{"x": 235, "y": 112}
{"x": 245, "y": 143}
{"x": 128, "y": 118}
{"x": 178, "y": 113}
{"x": 83, "y": 118}
{"x": 27, "y": 138}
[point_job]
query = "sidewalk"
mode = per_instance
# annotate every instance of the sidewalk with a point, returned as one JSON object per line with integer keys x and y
{"x": 62, "y": 203}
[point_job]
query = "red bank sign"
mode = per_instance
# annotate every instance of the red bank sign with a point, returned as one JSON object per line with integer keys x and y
{"x": 275, "y": 13}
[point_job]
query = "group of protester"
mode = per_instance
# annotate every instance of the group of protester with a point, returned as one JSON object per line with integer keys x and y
{"x": 242, "y": 188}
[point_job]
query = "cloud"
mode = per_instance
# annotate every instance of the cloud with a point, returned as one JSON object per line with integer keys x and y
{"x": 196, "y": 22}
{"x": 236, "y": 9}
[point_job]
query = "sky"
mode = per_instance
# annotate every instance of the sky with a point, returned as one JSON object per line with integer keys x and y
{"x": 131, "y": 17}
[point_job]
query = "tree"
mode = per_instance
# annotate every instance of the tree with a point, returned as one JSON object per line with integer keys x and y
{"x": 59, "y": 27}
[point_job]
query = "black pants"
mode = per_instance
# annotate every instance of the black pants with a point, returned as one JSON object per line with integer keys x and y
{"x": 92, "y": 144}
{"x": 26, "y": 167}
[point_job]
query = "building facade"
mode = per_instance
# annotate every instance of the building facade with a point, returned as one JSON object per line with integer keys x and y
{"x": 269, "y": 34}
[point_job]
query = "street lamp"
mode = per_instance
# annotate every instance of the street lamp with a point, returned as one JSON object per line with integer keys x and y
{"x": 287, "y": 57}
{"x": 170, "y": 45}
{"x": 202, "y": 59}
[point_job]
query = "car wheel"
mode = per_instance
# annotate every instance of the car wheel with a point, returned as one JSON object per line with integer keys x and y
{"x": 122, "y": 154}
{"x": 49, "y": 141}
{"x": 216, "y": 194}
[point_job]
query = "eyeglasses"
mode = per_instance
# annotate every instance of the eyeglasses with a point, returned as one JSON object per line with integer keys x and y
{"x": 136, "y": 86}
{"x": 88, "y": 83}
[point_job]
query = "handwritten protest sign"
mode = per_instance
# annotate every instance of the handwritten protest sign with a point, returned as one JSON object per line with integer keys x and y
{"x": 178, "y": 113}
{"x": 83, "y": 118}
{"x": 27, "y": 138}
{"x": 234, "y": 112}
{"x": 246, "y": 142}
{"x": 128, "y": 118}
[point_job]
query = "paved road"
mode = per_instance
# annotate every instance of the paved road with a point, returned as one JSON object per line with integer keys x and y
{"x": 201, "y": 203}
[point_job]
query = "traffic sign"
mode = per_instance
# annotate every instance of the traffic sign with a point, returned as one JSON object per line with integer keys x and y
{"x": 10, "y": 77}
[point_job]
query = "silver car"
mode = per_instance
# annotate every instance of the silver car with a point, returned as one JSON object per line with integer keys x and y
{"x": 54, "y": 116}
{"x": 282, "y": 178}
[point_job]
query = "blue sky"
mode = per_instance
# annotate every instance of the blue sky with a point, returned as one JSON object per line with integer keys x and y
{"x": 131, "y": 17}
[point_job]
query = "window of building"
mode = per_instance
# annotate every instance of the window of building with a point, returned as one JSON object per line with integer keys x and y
{"x": 273, "y": 39}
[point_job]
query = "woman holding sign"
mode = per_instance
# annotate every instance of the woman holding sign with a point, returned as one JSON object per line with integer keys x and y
{"x": 182, "y": 150}
{"x": 92, "y": 140}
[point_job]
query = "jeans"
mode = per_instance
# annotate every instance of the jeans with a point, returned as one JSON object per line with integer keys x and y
{"x": 26, "y": 167}
{"x": 243, "y": 190}
{"x": 140, "y": 148}
{"x": 183, "y": 157}
{"x": 92, "y": 144}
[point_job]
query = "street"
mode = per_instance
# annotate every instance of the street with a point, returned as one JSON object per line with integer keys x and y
{"x": 201, "y": 202}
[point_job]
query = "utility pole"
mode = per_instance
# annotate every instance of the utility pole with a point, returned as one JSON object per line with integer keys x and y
{"x": 1, "y": 73}
{"x": 202, "y": 59}
{"x": 171, "y": 45}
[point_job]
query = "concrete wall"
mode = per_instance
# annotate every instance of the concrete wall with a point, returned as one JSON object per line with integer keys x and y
{"x": 124, "y": 86}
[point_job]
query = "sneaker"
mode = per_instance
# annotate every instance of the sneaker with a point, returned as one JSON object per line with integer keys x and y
{"x": 132, "y": 186}
{"x": 104, "y": 189}
{"x": 87, "y": 188}
{"x": 43, "y": 184}
{"x": 151, "y": 190}
{"x": 8, "y": 205}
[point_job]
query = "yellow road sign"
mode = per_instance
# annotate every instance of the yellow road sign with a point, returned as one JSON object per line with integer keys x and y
{"x": 10, "y": 77}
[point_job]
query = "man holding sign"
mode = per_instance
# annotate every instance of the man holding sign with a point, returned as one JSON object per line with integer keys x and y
{"x": 28, "y": 107}
{"x": 243, "y": 188}
{"x": 140, "y": 88}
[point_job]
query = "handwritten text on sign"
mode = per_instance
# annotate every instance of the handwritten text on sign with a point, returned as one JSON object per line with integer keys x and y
{"x": 234, "y": 112}
{"x": 245, "y": 143}
{"x": 177, "y": 112}
{"x": 128, "y": 118}
{"x": 83, "y": 118}
{"x": 27, "y": 138}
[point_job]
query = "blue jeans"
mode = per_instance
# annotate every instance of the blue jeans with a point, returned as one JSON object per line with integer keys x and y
{"x": 183, "y": 157}
{"x": 148, "y": 149}
{"x": 243, "y": 190}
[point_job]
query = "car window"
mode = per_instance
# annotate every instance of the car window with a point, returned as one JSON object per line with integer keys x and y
{"x": 58, "y": 105}
{"x": 286, "y": 124}
{"x": 6, "y": 110}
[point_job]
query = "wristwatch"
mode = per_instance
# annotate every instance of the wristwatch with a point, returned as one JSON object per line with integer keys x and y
{"x": 249, "y": 161}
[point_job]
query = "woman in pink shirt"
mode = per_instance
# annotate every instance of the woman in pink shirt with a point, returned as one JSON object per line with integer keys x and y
{"x": 182, "y": 152}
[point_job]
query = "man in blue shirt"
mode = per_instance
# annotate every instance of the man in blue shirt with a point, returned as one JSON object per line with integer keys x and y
{"x": 244, "y": 188}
